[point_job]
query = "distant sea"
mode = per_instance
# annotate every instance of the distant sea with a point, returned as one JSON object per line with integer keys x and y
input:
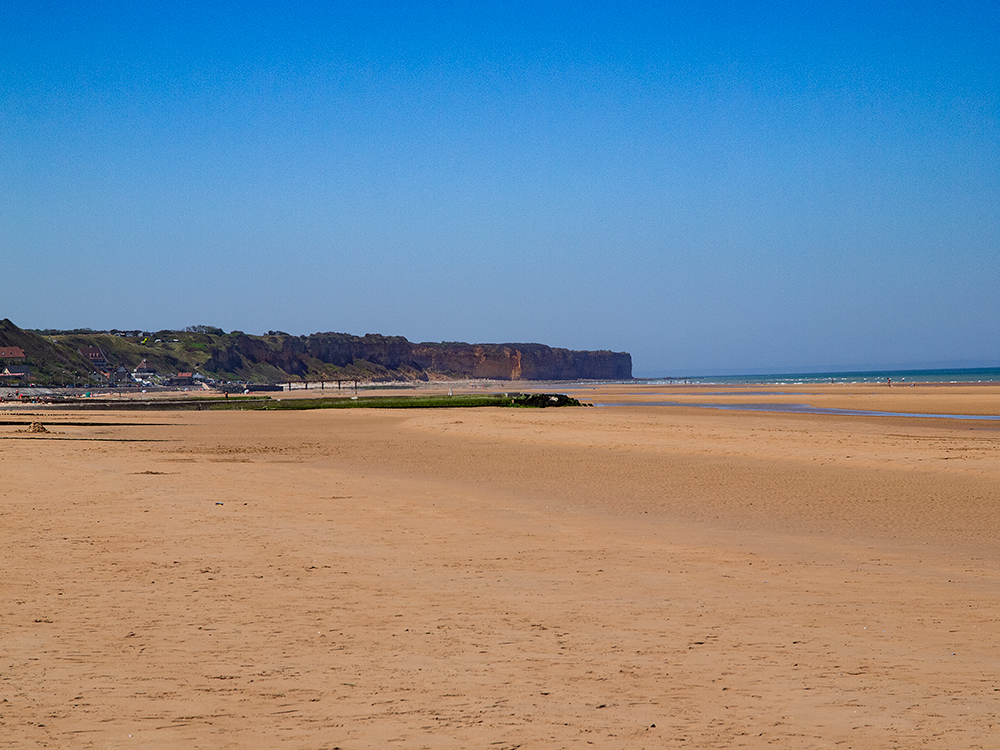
{"x": 970, "y": 375}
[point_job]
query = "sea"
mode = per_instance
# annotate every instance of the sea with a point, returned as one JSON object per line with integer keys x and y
{"x": 901, "y": 377}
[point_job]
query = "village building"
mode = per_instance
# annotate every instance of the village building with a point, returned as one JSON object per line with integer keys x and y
{"x": 15, "y": 375}
{"x": 181, "y": 378}
{"x": 12, "y": 352}
{"x": 94, "y": 355}
{"x": 120, "y": 376}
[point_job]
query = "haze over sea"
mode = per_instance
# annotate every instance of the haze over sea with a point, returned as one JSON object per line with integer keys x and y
{"x": 898, "y": 377}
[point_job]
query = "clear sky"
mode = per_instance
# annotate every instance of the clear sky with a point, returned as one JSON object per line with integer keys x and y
{"x": 713, "y": 187}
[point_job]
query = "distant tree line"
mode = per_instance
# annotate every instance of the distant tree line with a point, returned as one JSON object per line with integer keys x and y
{"x": 60, "y": 332}
{"x": 214, "y": 330}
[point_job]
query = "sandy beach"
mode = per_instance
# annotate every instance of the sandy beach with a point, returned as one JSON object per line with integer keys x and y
{"x": 630, "y": 575}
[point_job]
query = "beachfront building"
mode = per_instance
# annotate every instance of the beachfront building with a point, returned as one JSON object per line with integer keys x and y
{"x": 181, "y": 378}
{"x": 15, "y": 375}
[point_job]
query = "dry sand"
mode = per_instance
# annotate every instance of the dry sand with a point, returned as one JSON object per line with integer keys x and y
{"x": 623, "y": 576}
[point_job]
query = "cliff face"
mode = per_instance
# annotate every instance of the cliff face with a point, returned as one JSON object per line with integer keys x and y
{"x": 521, "y": 362}
{"x": 302, "y": 355}
{"x": 392, "y": 357}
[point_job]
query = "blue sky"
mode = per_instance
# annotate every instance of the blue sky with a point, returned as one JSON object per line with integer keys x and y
{"x": 713, "y": 187}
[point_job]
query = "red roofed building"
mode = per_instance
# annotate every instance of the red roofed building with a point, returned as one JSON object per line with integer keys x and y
{"x": 11, "y": 352}
{"x": 94, "y": 355}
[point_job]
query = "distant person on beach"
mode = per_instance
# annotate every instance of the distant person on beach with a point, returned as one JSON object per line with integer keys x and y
{"x": 888, "y": 382}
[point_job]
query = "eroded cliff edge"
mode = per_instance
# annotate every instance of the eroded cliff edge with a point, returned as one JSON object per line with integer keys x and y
{"x": 522, "y": 362}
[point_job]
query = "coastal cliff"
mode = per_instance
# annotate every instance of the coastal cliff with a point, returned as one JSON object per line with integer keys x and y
{"x": 522, "y": 362}
{"x": 396, "y": 358}
{"x": 281, "y": 357}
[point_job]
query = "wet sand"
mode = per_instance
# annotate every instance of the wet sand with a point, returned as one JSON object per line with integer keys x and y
{"x": 619, "y": 576}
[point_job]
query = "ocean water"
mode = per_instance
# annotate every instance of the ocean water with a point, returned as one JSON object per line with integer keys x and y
{"x": 899, "y": 377}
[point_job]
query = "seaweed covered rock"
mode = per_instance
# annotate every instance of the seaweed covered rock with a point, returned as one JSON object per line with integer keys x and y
{"x": 541, "y": 400}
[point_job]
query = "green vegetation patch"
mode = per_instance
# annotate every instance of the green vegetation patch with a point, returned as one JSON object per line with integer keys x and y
{"x": 391, "y": 402}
